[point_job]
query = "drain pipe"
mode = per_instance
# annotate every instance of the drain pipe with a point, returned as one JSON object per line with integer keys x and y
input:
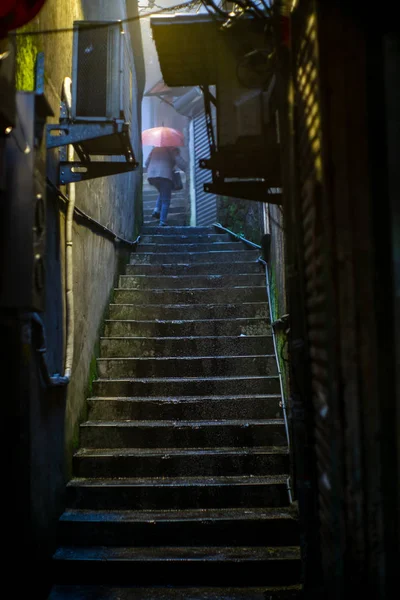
{"x": 69, "y": 291}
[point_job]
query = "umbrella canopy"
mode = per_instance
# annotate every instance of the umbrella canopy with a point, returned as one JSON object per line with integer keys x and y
{"x": 162, "y": 136}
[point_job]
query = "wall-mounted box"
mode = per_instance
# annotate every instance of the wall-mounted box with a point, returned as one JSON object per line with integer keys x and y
{"x": 101, "y": 73}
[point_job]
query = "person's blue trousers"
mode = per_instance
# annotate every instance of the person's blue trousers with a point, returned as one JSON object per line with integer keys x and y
{"x": 164, "y": 188}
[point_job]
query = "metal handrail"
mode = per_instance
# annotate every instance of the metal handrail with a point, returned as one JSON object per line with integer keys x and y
{"x": 267, "y": 285}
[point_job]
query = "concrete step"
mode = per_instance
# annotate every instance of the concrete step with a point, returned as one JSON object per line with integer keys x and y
{"x": 210, "y": 366}
{"x": 193, "y": 282}
{"x": 237, "y": 527}
{"x": 171, "y": 493}
{"x": 245, "y": 267}
{"x": 165, "y": 249}
{"x": 180, "y": 462}
{"x": 178, "y": 566}
{"x": 182, "y": 434}
{"x": 183, "y": 408}
{"x": 189, "y": 312}
{"x": 185, "y": 239}
{"x": 186, "y": 230}
{"x": 214, "y": 327}
{"x": 173, "y": 210}
{"x": 182, "y": 386}
{"x": 172, "y": 221}
{"x": 185, "y": 258}
{"x": 129, "y": 347}
{"x": 233, "y": 295}
{"x": 89, "y": 592}
{"x": 176, "y": 213}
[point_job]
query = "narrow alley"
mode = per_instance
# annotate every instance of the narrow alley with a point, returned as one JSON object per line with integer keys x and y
{"x": 200, "y": 299}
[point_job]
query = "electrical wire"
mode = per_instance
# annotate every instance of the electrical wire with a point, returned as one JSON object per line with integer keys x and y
{"x": 218, "y": 10}
{"x": 107, "y": 24}
{"x": 248, "y": 5}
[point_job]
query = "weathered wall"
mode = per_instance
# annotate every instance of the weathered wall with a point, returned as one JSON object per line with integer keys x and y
{"x": 277, "y": 278}
{"x": 244, "y": 217}
{"x": 52, "y": 423}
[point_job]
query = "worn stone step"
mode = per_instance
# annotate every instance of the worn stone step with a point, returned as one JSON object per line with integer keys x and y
{"x": 89, "y": 592}
{"x": 157, "y": 258}
{"x": 179, "y": 462}
{"x": 244, "y": 267}
{"x": 177, "y": 216}
{"x": 182, "y": 434}
{"x": 233, "y": 527}
{"x": 145, "y": 282}
{"x": 128, "y": 347}
{"x": 185, "y": 239}
{"x": 185, "y": 230}
{"x": 183, "y": 408}
{"x": 177, "y": 492}
{"x": 172, "y": 221}
{"x": 186, "y": 386}
{"x": 180, "y": 213}
{"x": 205, "y": 366}
{"x": 167, "y": 248}
{"x": 178, "y": 566}
{"x": 185, "y": 328}
{"x": 233, "y": 295}
{"x": 188, "y": 312}
{"x": 173, "y": 210}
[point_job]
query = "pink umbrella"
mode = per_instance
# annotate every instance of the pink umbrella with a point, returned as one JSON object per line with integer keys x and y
{"x": 162, "y": 136}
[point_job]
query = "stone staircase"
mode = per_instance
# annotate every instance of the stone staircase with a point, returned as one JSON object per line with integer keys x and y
{"x": 180, "y": 479}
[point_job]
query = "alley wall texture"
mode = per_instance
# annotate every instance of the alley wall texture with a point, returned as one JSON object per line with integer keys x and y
{"x": 114, "y": 202}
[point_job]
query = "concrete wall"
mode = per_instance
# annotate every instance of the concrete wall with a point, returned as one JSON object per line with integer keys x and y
{"x": 50, "y": 418}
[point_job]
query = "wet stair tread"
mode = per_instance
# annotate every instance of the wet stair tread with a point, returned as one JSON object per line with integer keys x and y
{"x": 186, "y": 358}
{"x": 174, "y": 515}
{"x": 187, "y": 379}
{"x": 191, "y": 278}
{"x": 185, "y": 553}
{"x": 215, "y": 480}
{"x": 190, "y": 289}
{"x": 174, "y": 423}
{"x": 184, "y": 407}
{"x": 185, "y": 337}
{"x": 228, "y": 451}
{"x": 183, "y": 399}
{"x": 217, "y": 320}
{"x": 66, "y": 592}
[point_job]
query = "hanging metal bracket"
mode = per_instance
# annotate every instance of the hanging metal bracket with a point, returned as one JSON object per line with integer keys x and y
{"x": 248, "y": 190}
{"x": 91, "y": 139}
{"x": 73, "y": 172}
